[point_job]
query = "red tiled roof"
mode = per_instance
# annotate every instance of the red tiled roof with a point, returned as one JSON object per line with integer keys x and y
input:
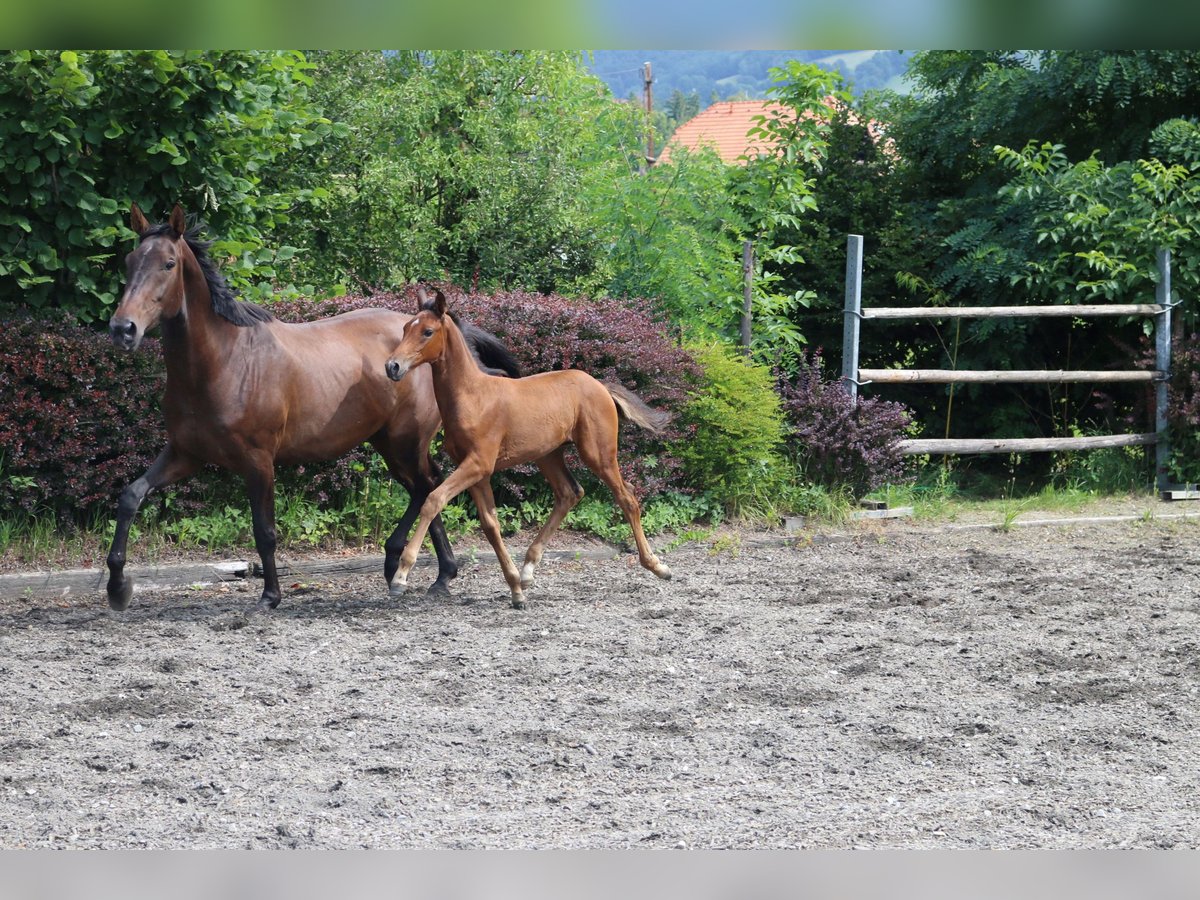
{"x": 724, "y": 126}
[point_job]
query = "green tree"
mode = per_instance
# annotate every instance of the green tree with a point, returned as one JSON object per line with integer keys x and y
{"x": 82, "y": 134}
{"x": 1101, "y": 226}
{"x": 775, "y": 191}
{"x": 471, "y": 164}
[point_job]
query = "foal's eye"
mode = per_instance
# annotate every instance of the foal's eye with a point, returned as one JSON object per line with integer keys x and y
{"x": 170, "y": 264}
{"x": 428, "y": 332}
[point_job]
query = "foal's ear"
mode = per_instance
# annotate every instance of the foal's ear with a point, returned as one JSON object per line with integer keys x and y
{"x": 423, "y": 301}
{"x": 178, "y": 221}
{"x": 137, "y": 221}
{"x": 439, "y": 304}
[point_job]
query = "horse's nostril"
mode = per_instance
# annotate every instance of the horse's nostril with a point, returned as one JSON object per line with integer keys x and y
{"x": 123, "y": 331}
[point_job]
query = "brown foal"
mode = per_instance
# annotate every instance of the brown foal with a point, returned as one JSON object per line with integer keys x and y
{"x": 494, "y": 423}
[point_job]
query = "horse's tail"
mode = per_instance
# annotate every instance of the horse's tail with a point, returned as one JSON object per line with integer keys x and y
{"x": 493, "y": 357}
{"x": 633, "y": 408}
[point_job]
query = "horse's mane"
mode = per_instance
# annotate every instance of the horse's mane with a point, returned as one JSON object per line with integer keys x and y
{"x": 225, "y": 302}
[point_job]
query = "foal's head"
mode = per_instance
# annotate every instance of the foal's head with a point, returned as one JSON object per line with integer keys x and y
{"x": 154, "y": 279}
{"x": 424, "y": 337}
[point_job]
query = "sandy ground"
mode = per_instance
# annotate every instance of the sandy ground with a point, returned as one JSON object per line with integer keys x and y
{"x": 906, "y": 686}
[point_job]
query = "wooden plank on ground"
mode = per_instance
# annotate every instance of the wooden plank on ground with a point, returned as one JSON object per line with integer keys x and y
{"x": 895, "y": 512}
{"x": 1181, "y": 494}
{"x": 145, "y": 577}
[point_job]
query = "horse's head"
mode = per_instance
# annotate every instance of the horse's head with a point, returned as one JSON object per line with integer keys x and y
{"x": 154, "y": 279}
{"x": 424, "y": 337}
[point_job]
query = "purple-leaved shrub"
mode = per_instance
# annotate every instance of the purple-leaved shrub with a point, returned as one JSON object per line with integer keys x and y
{"x": 80, "y": 420}
{"x": 836, "y": 442}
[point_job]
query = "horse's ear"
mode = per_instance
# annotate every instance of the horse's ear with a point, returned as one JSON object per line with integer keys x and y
{"x": 423, "y": 301}
{"x": 178, "y": 221}
{"x": 439, "y": 304}
{"x": 137, "y": 221}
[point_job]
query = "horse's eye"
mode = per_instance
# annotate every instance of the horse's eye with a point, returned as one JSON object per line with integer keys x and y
{"x": 170, "y": 264}
{"x": 428, "y": 332}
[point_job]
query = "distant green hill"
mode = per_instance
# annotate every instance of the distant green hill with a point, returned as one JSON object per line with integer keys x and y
{"x": 722, "y": 74}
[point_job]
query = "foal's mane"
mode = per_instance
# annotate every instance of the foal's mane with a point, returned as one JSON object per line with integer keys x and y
{"x": 491, "y": 354}
{"x": 225, "y": 302}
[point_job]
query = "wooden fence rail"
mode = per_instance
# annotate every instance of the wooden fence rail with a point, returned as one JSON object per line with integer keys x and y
{"x": 1161, "y": 311}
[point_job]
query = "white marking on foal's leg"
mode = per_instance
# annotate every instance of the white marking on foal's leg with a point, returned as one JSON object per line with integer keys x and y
{"x": 399, "y": 585}
{"x": 527, "y": 575}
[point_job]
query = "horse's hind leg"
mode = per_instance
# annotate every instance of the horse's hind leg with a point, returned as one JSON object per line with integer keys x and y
{"x": 485, "y": 503}
{"x": 567, "y": 494}
{"x": 170, "y": 466}
{"x": 597, "y": 448}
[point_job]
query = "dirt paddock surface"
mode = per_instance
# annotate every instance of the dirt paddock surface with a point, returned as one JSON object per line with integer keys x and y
{"x": 908, "y": 686}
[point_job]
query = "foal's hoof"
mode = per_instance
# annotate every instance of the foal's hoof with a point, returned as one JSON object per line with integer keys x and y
{"x": 663, "y": 571}
{"x": 518, "y": 601}
{"x": 398, "y": 587}
{"x": 118, "y": 598}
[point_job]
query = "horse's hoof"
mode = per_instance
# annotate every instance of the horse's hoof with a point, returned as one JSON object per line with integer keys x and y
{"x": 397, "y": 589}
{"x": 518, "y": 601}
{"x": 120, "y": 597}
{"x": 266, "y": 604}
{"x": 663, "y": 571}
{"x": 438, "y": 590}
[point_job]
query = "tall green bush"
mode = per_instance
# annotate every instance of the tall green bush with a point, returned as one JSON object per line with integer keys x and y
{"x": 84, "y": 133}
{"x": 734, "y": 453}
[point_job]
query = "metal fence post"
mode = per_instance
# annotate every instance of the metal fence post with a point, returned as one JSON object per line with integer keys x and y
{"x": 747, "y": 294}
{"x": 1162, "y": 362}
{"x": 853, "y": 313}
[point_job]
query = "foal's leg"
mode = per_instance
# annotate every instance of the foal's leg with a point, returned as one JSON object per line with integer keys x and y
{"x": 485, "y": 503}
{"x": 567, "y": 493}
{"x": 418, "y": 484}
{"x": 170, "y": 466}
{"x": 467, "y": 473}
{"x": 598, "y": 449}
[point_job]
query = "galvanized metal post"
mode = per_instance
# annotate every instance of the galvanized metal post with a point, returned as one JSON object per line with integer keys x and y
{"x": 853, "y": 313}
{"x": 747, "y": 294}
{"x": 1162, "y": 362}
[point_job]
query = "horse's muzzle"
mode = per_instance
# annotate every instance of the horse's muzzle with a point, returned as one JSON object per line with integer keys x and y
{"x": 396, "y": 369}
{"x": 124, "y": 333}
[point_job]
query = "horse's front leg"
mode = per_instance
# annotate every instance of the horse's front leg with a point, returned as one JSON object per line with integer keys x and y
{"x": 260, "y": 486}
{"x": 170, "y": 466}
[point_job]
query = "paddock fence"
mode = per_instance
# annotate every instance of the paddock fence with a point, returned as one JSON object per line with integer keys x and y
{"x": 1160, "y": 310}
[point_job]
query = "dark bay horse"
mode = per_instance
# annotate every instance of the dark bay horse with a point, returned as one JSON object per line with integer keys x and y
{"x": 245, "y": 391}
{"x": 494, "y": 423}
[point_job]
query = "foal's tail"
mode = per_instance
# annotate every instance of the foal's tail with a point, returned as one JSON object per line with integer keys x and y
{"x": 633, "y": 408}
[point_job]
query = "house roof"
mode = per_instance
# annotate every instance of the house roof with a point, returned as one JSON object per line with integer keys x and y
{"x": 724, "y": 126}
